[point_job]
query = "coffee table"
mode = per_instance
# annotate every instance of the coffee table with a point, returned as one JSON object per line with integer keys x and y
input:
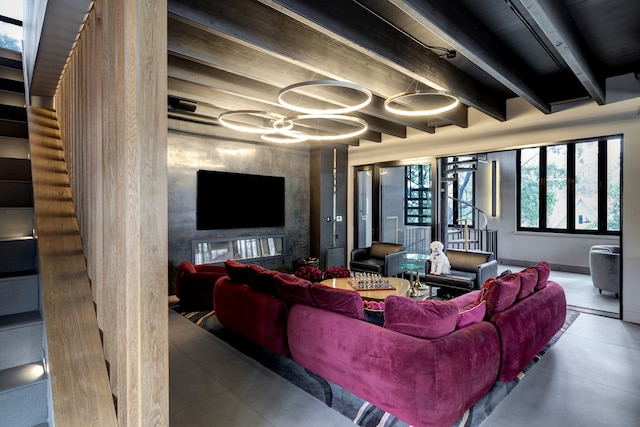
{"x": 401, "y": 288}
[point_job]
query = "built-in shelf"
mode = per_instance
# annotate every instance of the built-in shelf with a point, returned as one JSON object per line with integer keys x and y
{"x": 212, "y": 251}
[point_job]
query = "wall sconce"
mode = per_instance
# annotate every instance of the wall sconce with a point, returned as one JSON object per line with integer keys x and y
{"x": 494, "y": 189}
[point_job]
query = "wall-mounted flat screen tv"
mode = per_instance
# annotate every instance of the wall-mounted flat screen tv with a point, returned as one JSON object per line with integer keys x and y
{"x": 236, "y": 200}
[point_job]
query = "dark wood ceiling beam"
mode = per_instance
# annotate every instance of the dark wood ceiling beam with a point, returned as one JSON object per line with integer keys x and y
{"x": 184, "y": 69}
{"x": 556, "y": 23}
{"x": 349, "y": 23}
{"x": 459, "y": 28}
{"x": 286, "y": 40}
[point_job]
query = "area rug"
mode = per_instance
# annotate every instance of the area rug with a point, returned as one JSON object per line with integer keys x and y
{"x": 351, "y": 406}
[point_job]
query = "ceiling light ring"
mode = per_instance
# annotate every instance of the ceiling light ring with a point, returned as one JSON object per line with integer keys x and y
{"x": 223, "y": 120}
{"x": 415, "y": 113}
{"x": 281, "y": 138}
{"x": 280, "y": 126}
{"x": 330, "y": 83}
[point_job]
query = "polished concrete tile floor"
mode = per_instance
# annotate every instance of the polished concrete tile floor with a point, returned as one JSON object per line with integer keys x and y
{"x": 590, "y": 377}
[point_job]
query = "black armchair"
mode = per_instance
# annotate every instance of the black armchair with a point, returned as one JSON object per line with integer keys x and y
{"x": 381, "y": 258}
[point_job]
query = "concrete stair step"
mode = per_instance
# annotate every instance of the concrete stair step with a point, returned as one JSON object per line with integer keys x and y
{"x": 21, "y": 336}
{"x": 16, "y": 99}
{"x": 23, "y": 396}
{"x": 11, "y": 85}
{"x": 10, "y": 61}
{"x": 10, "y": 73}
{"x": 15, "y": 170}
{"x": 13, "y": 129}
{"x": 16, "y": 222}
{"x": 15, "y": 148}
{"x": 17, "y": 255}
{"x": 19, "y": 294}
{"x": 16, "y": 194}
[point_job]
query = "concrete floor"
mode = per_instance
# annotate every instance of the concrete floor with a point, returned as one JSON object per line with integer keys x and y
{"x": 590, "y": 377}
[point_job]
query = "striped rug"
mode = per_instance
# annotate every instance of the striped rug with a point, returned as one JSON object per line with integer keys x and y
{"x": 351, "y": 406}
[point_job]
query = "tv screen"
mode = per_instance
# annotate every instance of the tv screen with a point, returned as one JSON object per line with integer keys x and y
{"x": 236, "y": 200}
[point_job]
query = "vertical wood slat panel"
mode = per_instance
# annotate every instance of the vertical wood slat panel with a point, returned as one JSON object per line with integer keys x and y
{"x": 112, "y": 108}
{"x": 110, "y": 266}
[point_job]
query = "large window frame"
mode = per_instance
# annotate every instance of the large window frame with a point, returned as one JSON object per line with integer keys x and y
{"x": 418, "y": 190}
{"x": 545, "y": 194}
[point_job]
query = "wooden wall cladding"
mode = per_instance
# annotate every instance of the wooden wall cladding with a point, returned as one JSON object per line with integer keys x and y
{"x": 111, "y": 107}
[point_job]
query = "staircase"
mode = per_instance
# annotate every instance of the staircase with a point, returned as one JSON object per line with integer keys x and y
{"x": 471, "y": 232}
{"x": 23, "y": 383}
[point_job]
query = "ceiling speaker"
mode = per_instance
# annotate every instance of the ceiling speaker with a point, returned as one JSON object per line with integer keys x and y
{"x": 182, "y": 104}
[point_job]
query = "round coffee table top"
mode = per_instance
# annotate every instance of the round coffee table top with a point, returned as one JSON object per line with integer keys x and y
{"x": 401, "y": 288}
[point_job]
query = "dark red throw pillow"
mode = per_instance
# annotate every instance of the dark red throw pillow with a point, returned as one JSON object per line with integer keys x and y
{"x": 293, "y": 290}
{"x": 341, "y": 301}
{"x": 528, "y": 282}
{"x": 544, "y": 269}
{"x": 262, "y": 279}
{"x": 236, "y": 271}
{"x": 500, "y": 293}
{"x": 423, "y": 319}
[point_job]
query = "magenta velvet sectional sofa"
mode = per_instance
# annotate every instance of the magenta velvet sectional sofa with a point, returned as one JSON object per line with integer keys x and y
{"x": 430, "y": 362}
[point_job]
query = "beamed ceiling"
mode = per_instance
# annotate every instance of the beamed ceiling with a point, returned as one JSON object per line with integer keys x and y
{"x": 237, "y": 54}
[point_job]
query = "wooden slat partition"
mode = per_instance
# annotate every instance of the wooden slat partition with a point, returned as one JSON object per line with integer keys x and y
{"x": 77, "y": 370}
{"x": 111, "y": 105}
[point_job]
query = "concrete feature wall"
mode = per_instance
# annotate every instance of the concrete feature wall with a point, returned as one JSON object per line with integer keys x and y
{"x": 189, "y": 152}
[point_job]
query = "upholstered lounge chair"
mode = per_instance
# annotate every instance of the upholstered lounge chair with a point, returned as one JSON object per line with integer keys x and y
{"x": 604, "y": 264}
{"x": 381, "y": 258}
{"x": 194, "y": 285}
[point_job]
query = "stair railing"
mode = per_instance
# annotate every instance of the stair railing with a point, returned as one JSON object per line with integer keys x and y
{"x": 487, "y": 240}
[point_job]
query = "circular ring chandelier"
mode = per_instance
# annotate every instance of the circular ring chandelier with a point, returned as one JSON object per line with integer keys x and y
{"x": 281, "y": 138}
{"x": 298, "y": 121}
{"x": 441, "y": 101}
{"x": 262, "y": 121}
{"x": 360, "y": 91}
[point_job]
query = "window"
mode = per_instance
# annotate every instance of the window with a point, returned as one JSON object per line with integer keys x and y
{"x": 461, "y": 191}
{"x": 417, "y": 195}
{"x": 11, "y": 25}
{"x": 572, "y": 187}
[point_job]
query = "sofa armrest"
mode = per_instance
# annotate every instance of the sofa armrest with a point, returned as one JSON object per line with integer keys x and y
{"x": 486, "y": 271}
{"x": 392, "y": 263}
{"x": 360, "y": 253}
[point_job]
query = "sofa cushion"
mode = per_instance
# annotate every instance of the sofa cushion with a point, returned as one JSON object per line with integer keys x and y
{"x": 341, "y": 301}
{"x": 455, "y": 279}
{"x": 472, "y": 316}
{"x": 292, "y": 289}
{"x": 237, "y": 271}
{"x": 528, "y": 282}
{"x": 423, "y": 319}
{"x": 467, "y": 260}
{"x": 262, "y": 279}
{"x": 380, "y": 249}
{"x": 370, "y": 265}
{"x": 544, "y": 269}
{"x": 500, "y": 293}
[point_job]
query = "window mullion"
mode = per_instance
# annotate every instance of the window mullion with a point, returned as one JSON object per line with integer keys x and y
{"x": 571, "y": 187}
{"x": 602, "y": 185}
{"x": 542, "y": 214}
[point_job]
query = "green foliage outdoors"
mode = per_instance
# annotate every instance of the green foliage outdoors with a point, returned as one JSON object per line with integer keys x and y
{"x": 8, "y": 42}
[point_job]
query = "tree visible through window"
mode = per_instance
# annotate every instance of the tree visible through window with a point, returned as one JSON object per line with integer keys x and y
{"x": 417, "y": 197}
{"x": 571, "y": 187}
